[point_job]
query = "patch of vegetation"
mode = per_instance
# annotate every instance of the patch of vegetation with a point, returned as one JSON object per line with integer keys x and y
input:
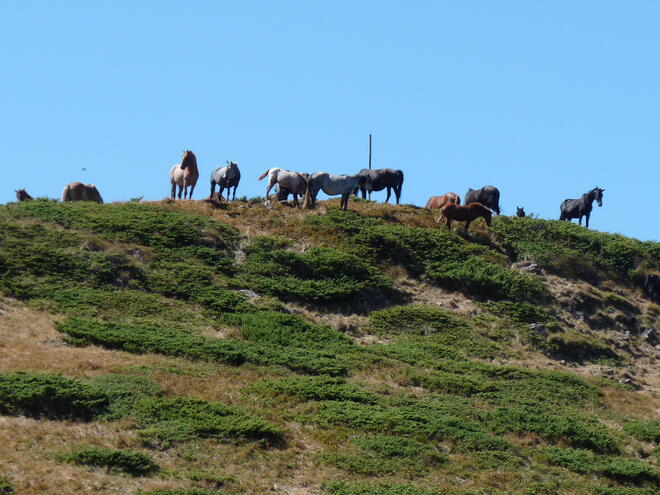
{"x": 648, "y": 431}
{"x": 558, "y": 245}
{"x": 124, "y": 392}
{"x": 401, "y": 448}
{"x": 51, "y": 396}
{"x": 321, "y": 275}
{"x": 145, "y": 338}
{"x": 318, "y": 388}
{"x": 518, "y": 311}
{"x": 437, "y": 325}
{"x": 180, "y": 419}
{"x": 177, "y": 491}
{"x": 347, "y": 488}
{"x": 5, "y": 486}
{"x": 624, "y": 490}
{"x": 617, "y": 468}
{"x": 124, "y": 461}
{"x": 575, "y": 347}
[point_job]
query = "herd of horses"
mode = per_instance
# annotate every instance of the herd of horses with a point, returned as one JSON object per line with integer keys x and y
{"x": 479, "y": 203}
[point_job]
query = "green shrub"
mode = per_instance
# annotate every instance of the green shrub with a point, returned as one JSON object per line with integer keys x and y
{"x": 5, "y": 486}
{"x": 518, "y": 311}
{"x": 51, "y": 396}
{"x": 369, "y": 466}
{"x": 146, "y": 338}
{"x": 400, "y": 448}
{"x": 180, "y": 419}
{"x": 648, "y": 431}
{"x": 624, "y": 490}
{"x": 617, "y": 468}
{"x": 124, "y": 391}
{"x": 321, "y": 275}
{"x": 317, "y": 388}
{"x": 347, "y": 488}
{"x": 125, "y": 461}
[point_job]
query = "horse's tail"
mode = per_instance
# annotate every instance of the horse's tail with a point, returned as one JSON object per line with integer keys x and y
{"x": 399, "y": 182}
{"x": 264, "y": 174}
{"x": 66, "y": 193}
{"x": 496, "y": 195}
{"x": 308, "y": 194}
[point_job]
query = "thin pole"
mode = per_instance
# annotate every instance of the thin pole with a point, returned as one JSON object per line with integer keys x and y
{"x": 369, "y": 192}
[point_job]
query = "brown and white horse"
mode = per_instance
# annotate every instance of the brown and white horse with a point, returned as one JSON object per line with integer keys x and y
{"x": 184, "y": 175}
{"x": 77, "y": 191}
{"x": 466, "y": 213}
{"x": 438, "y": 202}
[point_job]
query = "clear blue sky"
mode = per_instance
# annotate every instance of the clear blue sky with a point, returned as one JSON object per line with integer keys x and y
{"x": 543, "y": 99}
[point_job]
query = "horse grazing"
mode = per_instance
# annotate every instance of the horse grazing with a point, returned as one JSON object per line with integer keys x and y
{"x": 282, "y": 193}
{"x": 184, "y": 175}
{"x": 578, "y": 208}
{"x": 332, "y": 185}
{"x": 380, "y": 179}
{"x": 77, "y": 191}
{"x": 22, "y": 195}
{"x": 225, "y": 177}
{"x": 438, "y": 202}
{"x": 466, "y": 213}
{"x": 520, "y": 212}
{"x": 293, "y": 182}
{"x": 488, "y": 196}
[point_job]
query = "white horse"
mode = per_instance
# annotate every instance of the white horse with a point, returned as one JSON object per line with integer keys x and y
{"x": 228, "y": 176}
{"x": 184, "y": 175}
{"x": 332, "y": 185}
{"x": 293, "y": 182}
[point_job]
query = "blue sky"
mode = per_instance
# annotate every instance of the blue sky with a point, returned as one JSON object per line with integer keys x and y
{"x": 543, "y": 99}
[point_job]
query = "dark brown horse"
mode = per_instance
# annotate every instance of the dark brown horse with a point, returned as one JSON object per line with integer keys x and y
{"x": 22, "y": 195}
{"x": 77, "y": 191}
{"x": 466, "y": 213}
{"x": 438, "y": 202}
{"x": 520, "y": 212}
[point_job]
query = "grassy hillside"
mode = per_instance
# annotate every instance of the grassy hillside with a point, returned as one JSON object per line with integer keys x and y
{"x": 197, "y": 348}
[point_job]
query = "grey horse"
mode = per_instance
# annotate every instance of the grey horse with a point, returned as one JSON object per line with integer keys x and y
{"x": 331, "y": 185}
{"x": 225, "y": 177}
{"x": 380, "y": 179}
{"x": 488, "y": 196}
{"x": 578, "y": 208}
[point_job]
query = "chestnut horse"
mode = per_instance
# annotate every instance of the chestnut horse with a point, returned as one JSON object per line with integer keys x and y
{"x": 466, "y": 213}
{"x": 185, "y": 175}
{"x": 77, "y": 191}
{"x": 438, "y": 202}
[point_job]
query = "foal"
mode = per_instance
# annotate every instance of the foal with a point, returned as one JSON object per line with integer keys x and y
{"x": 466, "y": 214}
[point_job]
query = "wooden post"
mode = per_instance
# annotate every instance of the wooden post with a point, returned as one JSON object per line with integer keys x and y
{"x": 369, "y": 192}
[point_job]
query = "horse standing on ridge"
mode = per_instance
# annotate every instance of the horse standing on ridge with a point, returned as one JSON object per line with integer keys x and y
{"x": 293, "y": 182}
{"x": 184, "y": 175}
{"x": 380, "y": 179}
{"x": 467, "y": 214}
{"x": 331, "y": 185}
{"x": 578, "y": 208}
{"x": 520, "y": 212}
{"x": 22, "y": 195}
{"x": 438, "y": 202}
{"x": 225, "y": 177}
{"x": 488, "y": 196}
{"x": 77, "y": 191}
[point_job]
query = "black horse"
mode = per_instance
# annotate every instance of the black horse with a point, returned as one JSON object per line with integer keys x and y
{"x": 380, "y": 179}
{"x": 520, "y": 212}
{"x": 488, "y": 196}
{"x": 578, "y": 208}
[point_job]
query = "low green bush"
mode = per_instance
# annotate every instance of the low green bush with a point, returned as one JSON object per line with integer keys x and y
{"x": 518, "y": 311}
{"x": 123, "y": 392}
{"x": 401, "y": 448}
{"x": 125, "y": 461}
{"x": 348, "y": 488}
{"x": 648, "y": 431}
{"x": 180, "y": 419}
{"x": 317, "y": 388}
{"x": 50, "y": 396}
{"x": 6, "y": 487}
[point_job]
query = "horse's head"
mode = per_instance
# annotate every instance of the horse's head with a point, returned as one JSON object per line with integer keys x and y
{"x": 520, "y": 211}
{"x": 365, "y": 181}
{"x": 598, "y": 192}
{"x": 188, "y": 159}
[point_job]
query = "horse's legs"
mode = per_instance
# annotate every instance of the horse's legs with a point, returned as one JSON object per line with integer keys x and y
{"x": 449, "y": 223}
{"x": 233, "y": 197}
{"x": 467, "y": 225}
{"x": 587, "y": 219}
{"x": 220, "y": 193}
{"x": 397, "y": 193}
{"x": 344, "y": 201}
{"x": 212, "y": 190}
{"x": 389, "y": 191}
{"x": 295, "y": 199}
{"x": 192, "y": 188}
{"x": 173, "y": 194}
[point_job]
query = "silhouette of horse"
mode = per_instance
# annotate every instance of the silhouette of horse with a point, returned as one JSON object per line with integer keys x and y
{"x": 488, "y": 196}
{"x": 578, "y": 208}
{"x": 437, "y": 202}
{"x": 77, "y": 191}
{"x": 380, "y": 179}
{"x": 293, "y": 182}
{"x": 520, "y": 211}
{"x": 22, "y": 195}
{"x": 184, "y": 175}
{"x": 225, "y": 177}
{"x": 331, "y": 185}
{"x": 466, "y": 213}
